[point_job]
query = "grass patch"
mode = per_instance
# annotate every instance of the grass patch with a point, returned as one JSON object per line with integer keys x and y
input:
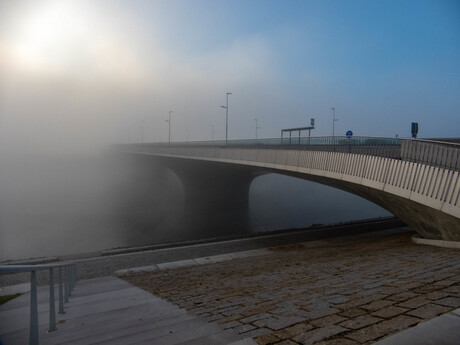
{"x": 4, "y": 299}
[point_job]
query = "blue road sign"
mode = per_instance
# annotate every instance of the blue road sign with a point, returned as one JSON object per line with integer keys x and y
{"x": 349, "y": 134}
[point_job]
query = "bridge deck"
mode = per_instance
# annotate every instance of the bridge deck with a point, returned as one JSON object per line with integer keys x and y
{"x": 111, "y": 311}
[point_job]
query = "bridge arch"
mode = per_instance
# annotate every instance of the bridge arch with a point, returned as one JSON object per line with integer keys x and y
{"x": 420, "y": 188}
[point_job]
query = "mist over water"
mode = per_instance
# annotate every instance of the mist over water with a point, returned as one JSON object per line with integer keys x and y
{"x": 66, "y": 204}
{"x": 79, "y": 76}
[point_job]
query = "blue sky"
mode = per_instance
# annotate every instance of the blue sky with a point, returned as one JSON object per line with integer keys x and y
{"x": 381, "y": 64}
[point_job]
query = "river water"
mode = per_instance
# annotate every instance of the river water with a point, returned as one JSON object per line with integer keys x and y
{"x": 56, "y": 205}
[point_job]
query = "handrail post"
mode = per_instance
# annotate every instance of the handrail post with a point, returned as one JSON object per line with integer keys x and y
{"x": 74, "y": 275}
{"x": 61, "y": 296}
{"x": 33, "y": 330}
{"x": 52, "y": 324}
{"x": 66, "y": 285}
{"x": 69, "y": 284}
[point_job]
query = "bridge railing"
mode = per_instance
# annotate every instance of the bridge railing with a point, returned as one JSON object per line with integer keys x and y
{"x": 440, "y": 154}
{"x": 67, "y": 279}
{"x": 431, "y": 152}
{"x": 383, "y": 147}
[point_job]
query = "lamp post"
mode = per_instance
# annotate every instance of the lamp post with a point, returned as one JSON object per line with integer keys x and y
{"x": 226, "y": 118}
{"x": 142, "y": 131}
{"x": 333, "y": 122}
{"x": 169, "y": 132}
{"x": 257, "y": 127}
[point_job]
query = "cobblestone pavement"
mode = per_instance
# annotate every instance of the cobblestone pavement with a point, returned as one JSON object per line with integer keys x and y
{"x": 338, "y": 291}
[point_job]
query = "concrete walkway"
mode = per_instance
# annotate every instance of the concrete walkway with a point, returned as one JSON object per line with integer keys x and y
{"x": 111, "y": 311}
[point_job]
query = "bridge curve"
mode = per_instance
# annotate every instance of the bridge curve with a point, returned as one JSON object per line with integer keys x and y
{"x": 416, "y": 180}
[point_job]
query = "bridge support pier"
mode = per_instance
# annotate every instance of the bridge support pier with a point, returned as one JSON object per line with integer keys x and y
{"x": 216, "y": 196}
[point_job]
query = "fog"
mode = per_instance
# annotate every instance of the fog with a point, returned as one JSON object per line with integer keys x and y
{"x": 55, "y": 205}
{"x": 79, "y": 76}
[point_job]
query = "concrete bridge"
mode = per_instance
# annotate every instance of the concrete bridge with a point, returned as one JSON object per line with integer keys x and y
{"x": 416, "y": 180}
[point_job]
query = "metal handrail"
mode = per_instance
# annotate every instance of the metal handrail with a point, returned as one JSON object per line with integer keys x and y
{"x": 294, "y": 141}
{"x": 433, "y": 152}
{"x": 68, "y": 278}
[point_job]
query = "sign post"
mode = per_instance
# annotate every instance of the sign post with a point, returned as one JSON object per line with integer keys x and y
{"x": 349, "y": 134}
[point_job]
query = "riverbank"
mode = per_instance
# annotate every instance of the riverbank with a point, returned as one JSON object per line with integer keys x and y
{"x": 103, "y": 265}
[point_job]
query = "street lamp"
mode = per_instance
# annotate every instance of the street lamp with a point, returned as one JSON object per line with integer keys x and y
{"x": 169, "y": 120}
{"x": 333, "y": 122}
{"x": 257, "y": 127}
{"x": 226, "y": 118}
{"x": 142, "y": 131}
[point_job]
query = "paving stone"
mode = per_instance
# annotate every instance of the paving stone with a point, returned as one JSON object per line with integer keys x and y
{"x": 328, "y": 320}
{"x": 319, "y": 313}
{"x": 414, "y": 302}
{"x": 403, "y": 296}
{"x": 449, "y": 302}
{"x": 215, "y": 317}
{"x": 360, "y": 301}
{"x": 256, "y": 332}
{"x": 360, "y": 321}
{"x": 231, "y": 324}
{"x": 316, "y": 335}
{"x": 435, "y": 295}
{"x": 227, "y": 319}
{"x": 389, "y": 312}
{"x": 429, "y": 311}
{"x": 243, "y": 328}
{"x": 292, "y": 331}
{"x": 427, "y": 288}
{"x": 286, "y": 342}
{"x": 447, "y": 282}
{"x": 376, "y": 305}
{"x": 352, "y": 312}
{"x": 338, "y": 299}
{"x": 383, "y": 328}
{"x": 266, "y": 339}
{"x": 317, "y": 286}
{"x": 255, "y": 317}
{"x": 337, "y": 342}
{"x": 453, "y": 290}
{"x": 277, "y": 323}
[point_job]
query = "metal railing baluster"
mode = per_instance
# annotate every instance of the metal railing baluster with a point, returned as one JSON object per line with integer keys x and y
{"x": 69, "y": 280}
{"x": 52, "y": 323}
{"x": 61, "y": 296}
{"x": 33, "y": 329}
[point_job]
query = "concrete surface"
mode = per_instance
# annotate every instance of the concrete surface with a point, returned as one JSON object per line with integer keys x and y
{"x": 111, "y": 311}
{"x": 440, "y": 243}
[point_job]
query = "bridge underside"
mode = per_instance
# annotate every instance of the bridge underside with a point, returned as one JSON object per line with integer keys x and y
{"x": 212, "y": 186}
{"x": 428, "y": 222}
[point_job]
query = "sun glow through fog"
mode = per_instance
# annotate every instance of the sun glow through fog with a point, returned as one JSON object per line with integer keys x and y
{"x": 69, "y": 38}
{"x": 46, "y": 37}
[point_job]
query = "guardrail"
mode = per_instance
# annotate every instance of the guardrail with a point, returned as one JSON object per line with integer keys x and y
{"x": 431, "y": 152}
{"x": 67, "y": 279}
{"x": 440, "y": 154}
